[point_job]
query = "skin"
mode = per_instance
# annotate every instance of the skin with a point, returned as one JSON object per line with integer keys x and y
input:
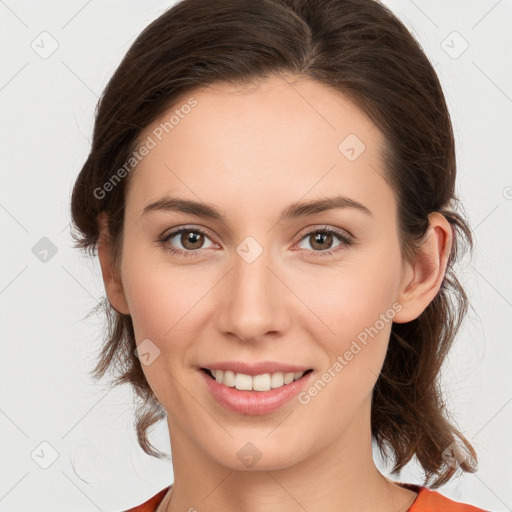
{"x": 251, "y": 153}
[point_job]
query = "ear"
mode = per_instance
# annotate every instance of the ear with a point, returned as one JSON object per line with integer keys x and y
{"x": 422, "y": 278}
{"x": 111, "y": 277}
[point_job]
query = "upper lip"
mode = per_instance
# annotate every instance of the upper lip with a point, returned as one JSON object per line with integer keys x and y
{"x": 257, "y": 368}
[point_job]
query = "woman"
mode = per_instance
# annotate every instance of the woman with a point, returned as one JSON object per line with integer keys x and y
{"x": 271, "y": 192}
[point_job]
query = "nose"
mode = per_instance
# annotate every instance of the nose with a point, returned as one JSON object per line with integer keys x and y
{"x": 254, "y": 301}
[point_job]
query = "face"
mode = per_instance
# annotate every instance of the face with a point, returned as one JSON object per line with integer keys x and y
{"x": 252, "y": 287}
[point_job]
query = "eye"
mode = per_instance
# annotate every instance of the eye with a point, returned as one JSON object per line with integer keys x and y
{"x": 323, "y": 236}
{"x": 191, "y": 239}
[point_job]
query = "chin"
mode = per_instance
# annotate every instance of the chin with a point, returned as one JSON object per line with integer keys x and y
{"x": 258, "y": 455}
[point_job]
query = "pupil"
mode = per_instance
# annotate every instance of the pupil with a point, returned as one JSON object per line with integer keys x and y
{"x": 191, "y": 238}
{"x": 320, "y": 238}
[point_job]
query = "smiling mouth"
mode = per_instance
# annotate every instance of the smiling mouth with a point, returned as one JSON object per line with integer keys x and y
{"x": 263, "y": 382}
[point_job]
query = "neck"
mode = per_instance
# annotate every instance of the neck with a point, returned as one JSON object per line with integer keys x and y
{"x": 340, "y": 476}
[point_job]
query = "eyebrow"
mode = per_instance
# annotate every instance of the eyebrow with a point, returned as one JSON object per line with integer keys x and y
{"x": 293, "y": 211}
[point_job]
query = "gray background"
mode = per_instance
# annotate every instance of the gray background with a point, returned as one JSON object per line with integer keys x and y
{"x": 49, "y": 406}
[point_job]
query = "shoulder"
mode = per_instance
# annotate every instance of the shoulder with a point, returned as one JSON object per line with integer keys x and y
{"x": 429, "y": 500}
{"x": 151, "y": 504}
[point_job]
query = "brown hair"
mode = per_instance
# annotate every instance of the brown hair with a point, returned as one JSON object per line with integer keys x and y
{"x": 360, "y": 48}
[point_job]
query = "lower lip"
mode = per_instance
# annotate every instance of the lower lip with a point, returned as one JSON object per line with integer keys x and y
{"x": 254, "y": 403}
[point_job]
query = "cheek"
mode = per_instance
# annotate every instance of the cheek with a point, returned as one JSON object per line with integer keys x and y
{"x": 165, "y": 301}
{"x": 353, "y": 297}
{"x": 151, "y": 299}
{"x": 355, "y": 306}
{"x": 165, "y": 308}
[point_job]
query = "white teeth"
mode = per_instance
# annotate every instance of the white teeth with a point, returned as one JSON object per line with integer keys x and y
{"x": 263, "y": 382}
{"x": 243, "y": 382}
{"x": 277, "y": 380}
{"x": 228, "y": 379}
{"x": 288, "y": 377}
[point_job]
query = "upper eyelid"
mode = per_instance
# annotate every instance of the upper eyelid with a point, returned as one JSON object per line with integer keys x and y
{"x": 179, "y": 230}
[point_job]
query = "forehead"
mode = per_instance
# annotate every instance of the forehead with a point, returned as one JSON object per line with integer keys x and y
{"x": 280, "y": 138}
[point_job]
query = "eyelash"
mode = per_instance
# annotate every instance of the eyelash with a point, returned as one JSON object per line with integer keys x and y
{"x": 346, "y": 240}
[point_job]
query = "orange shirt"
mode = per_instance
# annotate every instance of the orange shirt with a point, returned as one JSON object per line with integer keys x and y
{"x": 426, "y": 501}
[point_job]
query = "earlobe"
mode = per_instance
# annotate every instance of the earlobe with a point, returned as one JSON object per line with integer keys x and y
{"x": 111, "y": 278}
{"x": 424, "y": 276}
